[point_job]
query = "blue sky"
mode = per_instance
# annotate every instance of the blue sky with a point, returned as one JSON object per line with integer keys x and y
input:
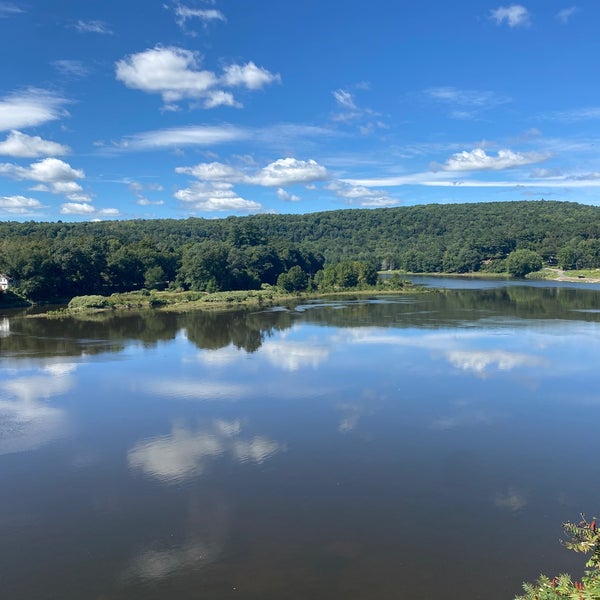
{"x": 152, "y": 109}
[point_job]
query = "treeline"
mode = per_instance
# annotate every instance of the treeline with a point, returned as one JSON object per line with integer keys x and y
{"x": 61, "y": 260}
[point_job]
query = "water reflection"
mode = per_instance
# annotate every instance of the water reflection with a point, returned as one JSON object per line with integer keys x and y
{"x": 26, "y": 420}
{"x": 299, "y": 453}
{"x": 4, "y": 327}
{"x": 206, "y": 525}
{"x": 248, "y": 330}
{"x": 481, "y": 361}
{"x": 187, "y": 452}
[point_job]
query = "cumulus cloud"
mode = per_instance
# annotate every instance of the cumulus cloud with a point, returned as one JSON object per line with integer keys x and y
{"x": 52, "y": 174}
{"x": 175, "y": 73}
{"x": 172, "y": 72}
{"x": 289, "y": 171}
{"x": 215, "y": 197}
{"x": 358, "y": 195}
{"x": 249, "y": 76}
{"x": 77, "y": 208}
{"x": 213, "y": 171}
{"x": 286, "y": 196}
{"x": 284, "y": 171}
{"x": 29, "y": 108}
{"x": 24, "y": 146}
{"x": 478, "y": 160}
{"x": 93, "y": 27}
{"x": 18, "y": 205}
{"x": 83, "y": 208}
{"x": 566, "y": 13}
{"x": 514, "y": 15}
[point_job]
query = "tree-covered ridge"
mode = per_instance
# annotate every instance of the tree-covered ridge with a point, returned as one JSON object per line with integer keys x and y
{"x": 67, "y": 259}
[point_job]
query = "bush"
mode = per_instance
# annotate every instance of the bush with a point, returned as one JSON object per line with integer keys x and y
{"x": 85, "y": 302}
{"x": 585, "y": 538}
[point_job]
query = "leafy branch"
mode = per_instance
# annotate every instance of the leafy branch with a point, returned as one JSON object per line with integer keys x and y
{"x": 585, "y": 538}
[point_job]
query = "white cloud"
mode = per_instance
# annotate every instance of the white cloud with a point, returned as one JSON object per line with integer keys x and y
{"x": 466, "y": 103}
{"x": 49, "y": 170}
{"x": 71, "y": 68}
{"x": 184, "y": 13}
{"x": 216, "y": 98}
{"x": 566, "y": 13}
{"x": 18, "y": 205}
{"x": 284, "y": 171}
{"x": 8, "y": 9}
{"x": 344, "y": 99}
{"x": 93, "y": 27}
{"x": 77, "y": 208}
{"x": 466, "y": 97}
{"x": 200, "y": 135}
{"x": 211, "y": 197}
{"x": 172, "y": 72}
{"x": 29, "y": 108}
{"x": 478, "y": 160}
{"x": 213, "y": 171}
{"x": 53, "y": 175}
{"x": 175, "y": 74}
{"x": 359, "y": 195}
{"x": 289, "y": 171}
{"x": 575, "y": 115}
{"x": 249, "y": 76}
{"x": 514, "y": 15}
{"x": 84, "y": 208}
{"x": 286, "y": 196}
{"x": 24, "y": 146}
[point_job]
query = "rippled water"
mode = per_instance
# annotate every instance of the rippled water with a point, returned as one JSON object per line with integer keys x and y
{"x": 425, "y": 446}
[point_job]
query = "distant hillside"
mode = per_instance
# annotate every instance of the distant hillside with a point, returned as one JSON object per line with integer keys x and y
{"x": 118, "y": 255}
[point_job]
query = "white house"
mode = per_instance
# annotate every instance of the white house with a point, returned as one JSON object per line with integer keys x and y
{"x": 3, "y": 282}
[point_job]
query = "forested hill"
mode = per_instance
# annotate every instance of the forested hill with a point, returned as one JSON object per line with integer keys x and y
{"x": 118, "y": 255}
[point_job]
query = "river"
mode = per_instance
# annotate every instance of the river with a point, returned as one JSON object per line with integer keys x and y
{"x": 393, "y": 447}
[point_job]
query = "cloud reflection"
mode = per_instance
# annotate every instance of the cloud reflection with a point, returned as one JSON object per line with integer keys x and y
{"x": 512, "y": 499}
{"x": 26, "y": 421}
{"x": 185, "y": 453}
{"x": 194, "y": 389}
{"x": 292, "y": 356}
{"x": 480, "y": 361}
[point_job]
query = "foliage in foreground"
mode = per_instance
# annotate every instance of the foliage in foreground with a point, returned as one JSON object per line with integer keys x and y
{"x": 584, "y": 538}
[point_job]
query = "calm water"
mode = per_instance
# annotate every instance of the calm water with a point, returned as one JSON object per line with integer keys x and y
{"x": 425, "y": 446}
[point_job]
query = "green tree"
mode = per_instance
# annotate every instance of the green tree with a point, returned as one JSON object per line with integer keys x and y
{"x": 523, "y": 261}
{"x": 294, "y": 280}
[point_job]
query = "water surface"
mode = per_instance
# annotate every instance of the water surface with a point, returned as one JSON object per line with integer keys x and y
{"x": 425, "y": 446}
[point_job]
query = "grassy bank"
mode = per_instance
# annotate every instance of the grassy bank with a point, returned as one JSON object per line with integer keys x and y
{"x": 184, "y": 301}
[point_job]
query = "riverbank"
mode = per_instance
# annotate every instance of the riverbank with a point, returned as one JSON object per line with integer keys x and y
{"x": 578, "y": 275}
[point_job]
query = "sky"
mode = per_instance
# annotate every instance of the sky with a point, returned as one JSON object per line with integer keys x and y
{"x": 210, "y": 108}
